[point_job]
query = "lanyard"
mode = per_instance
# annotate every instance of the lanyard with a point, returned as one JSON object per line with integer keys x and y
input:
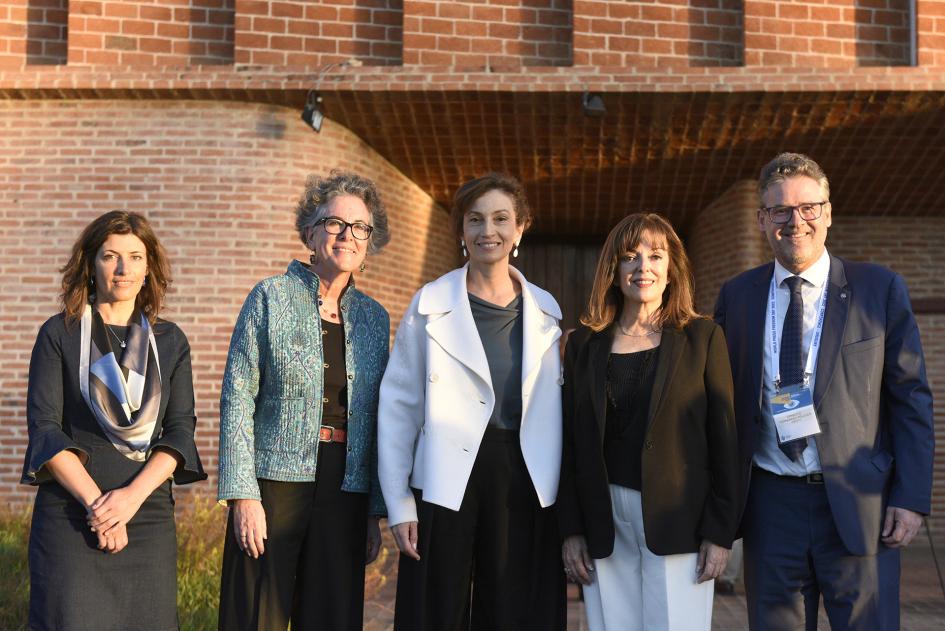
{"x": 776, "y": 347}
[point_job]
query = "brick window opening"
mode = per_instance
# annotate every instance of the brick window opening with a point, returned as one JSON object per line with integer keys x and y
{"x": 296, "y": 33}
{"x": 47, "y": 26}
{"x": 716, "y": 32}
{"x": 488, "y": 33}
{"x": 883, "y": 33}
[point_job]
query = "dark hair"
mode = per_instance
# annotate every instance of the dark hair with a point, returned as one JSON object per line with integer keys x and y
{"x": 468, "y": 193}
{"x": 319, "y": 191}
{"x": 80, "y": 270}
{"x": 606, "y": 298}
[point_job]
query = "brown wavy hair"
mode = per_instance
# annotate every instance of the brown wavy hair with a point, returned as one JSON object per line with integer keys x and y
{"x": 78, "y": 273}
{"x": 606, "y": 301}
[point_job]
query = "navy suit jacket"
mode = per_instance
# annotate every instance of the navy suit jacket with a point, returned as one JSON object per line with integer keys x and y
{"x": 871, "y": 394}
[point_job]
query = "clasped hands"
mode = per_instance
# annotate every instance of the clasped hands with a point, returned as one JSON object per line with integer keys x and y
{"x": 108, "y": 517}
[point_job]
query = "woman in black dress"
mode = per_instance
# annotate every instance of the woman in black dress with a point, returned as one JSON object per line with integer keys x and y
{"x": 110, "y": 412}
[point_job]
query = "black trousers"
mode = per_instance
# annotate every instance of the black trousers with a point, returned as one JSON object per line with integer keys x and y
{"x": 494, "y": 565}
{"x": 312, "y": 572}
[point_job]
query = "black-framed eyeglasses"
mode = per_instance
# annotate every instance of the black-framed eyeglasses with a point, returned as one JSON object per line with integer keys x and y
{"x": 335, "y": 225}
{"x": 782, "y": 214}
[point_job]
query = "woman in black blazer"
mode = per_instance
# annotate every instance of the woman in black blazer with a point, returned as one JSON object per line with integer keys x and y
{"x": 647, "y": 503}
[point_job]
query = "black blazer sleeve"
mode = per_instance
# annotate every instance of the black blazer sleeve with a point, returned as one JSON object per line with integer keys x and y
{"x": 567, "y": 506}
{"x": 720, "y": 515}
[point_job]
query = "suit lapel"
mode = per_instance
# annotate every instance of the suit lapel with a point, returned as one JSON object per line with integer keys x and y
{"x": 672, "y": 344}
{"x": 756, "y": 319}
{"x": 539, "y": 332}
{"x": 839, "y": 298}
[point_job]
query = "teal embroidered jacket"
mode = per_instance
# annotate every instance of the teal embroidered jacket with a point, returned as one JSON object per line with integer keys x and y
{"x": 271, "y": 403}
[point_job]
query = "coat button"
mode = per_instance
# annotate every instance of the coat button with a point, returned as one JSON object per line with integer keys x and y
{"x": 350, "y": 449}
{"x": 648, "y": 445}
{"x": 434, "y": 377}
{"x": 325, "y": 400}
{"x": 560, "y": 381}
{"x": 350, "y": 377}
{"x": 326, "y": 365}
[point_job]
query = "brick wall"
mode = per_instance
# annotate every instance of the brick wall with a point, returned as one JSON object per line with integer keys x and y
{"x": 150, "y": 32}
{"x": 491, "y": 33}
{"x": 296, "y": 33}
{"x": 666, "y": 32}
{"x": 486, "y": 33}
{"x": 724, "y": 240}
{"x": 219, "y": 182}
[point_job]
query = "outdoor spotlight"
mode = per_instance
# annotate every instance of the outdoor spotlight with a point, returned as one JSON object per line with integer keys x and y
{"x": 312, "y": 113}
{"x": 593, "y": 105}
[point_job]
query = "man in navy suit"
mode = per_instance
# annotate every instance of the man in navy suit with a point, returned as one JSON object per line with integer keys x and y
{"x": 834, "y": 417}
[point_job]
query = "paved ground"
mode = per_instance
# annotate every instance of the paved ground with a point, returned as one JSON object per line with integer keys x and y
{"x": 923, "y": 604}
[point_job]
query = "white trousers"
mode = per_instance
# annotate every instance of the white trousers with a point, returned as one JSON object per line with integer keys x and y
{"x": 636, "y": 590}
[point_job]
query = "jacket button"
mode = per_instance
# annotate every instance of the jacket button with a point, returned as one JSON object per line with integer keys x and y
{"x": 350, "y": 449}
{"x": 434, "y": 378}
{"x": 648, "y": 445}
{"x": 325, "y": 400}
{"x": 560, "y": 381}
{"x": 350, "y": 377}
{"x": 326, "y": 365}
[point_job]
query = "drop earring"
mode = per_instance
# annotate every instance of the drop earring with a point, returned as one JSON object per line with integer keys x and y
{"x": 312, "y": 259}
{"x": 515, "y": 252}
{"x": 363, "y": 267}
{"x": 462, "y": 242}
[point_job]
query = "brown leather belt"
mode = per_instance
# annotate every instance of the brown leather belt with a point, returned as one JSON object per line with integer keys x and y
{"x": 329, "y": 434}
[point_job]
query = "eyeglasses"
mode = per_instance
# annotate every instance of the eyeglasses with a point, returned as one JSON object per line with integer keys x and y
{"x": 333, "y": 225}
{"x": 782, "y": 214}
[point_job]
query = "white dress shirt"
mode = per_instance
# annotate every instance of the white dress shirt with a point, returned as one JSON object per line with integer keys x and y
{"x": 769, "y": 456}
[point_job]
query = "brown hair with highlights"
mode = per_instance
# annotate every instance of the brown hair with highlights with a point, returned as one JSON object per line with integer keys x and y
{"x": 468, "y": 193}
{"x": 78, "y": 273}
{"x": 606, "y": 299}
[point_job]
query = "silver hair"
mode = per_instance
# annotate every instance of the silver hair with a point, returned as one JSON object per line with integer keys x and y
{"x": 787, "y": 165}
{"x": 319, "y": 191}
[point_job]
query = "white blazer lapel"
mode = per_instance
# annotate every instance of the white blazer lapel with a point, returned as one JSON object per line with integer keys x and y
{"x": 450, "y": 323}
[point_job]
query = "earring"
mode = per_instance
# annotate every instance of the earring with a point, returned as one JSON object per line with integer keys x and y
{"x": 92, "y": 282}
{"x": 144, "y": 283}
{"x": 462, "y": 242}
{"x": 312, "y": 260}
{"x": 515, "y": 252}
{"x": 363, "y": 267}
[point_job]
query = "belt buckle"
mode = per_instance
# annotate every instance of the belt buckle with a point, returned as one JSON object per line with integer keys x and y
{"x": 815, "y": 478}
{"x": 321, "y": 433}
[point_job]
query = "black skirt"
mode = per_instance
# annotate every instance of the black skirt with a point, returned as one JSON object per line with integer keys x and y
{"x": 74, "y": 586}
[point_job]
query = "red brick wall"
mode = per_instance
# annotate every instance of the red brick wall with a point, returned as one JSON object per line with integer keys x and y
{"x": 667, "y": 32}
{"x": 13, "y": 32}
{"x": 491, "y": 33}
{"x": 150, "y": 32}
{"x": 930, "y": 32}
{"x": 724, "y": 240}
{"x": 219, "y": 182}
{"x": 291, "y": 33}
{"x": 800, "y": 33}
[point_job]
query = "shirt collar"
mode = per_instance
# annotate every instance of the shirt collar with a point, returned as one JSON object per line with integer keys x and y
{"x": 816, "y": 274}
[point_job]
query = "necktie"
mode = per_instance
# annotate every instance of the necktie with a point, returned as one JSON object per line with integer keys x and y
{"x": 791, "y": 364}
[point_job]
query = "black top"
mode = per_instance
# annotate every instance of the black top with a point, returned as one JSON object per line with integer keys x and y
{"x": 59, "y": 418}
{"x": 500, "y": 330}
{"x": 629, "y": 385}
{"x": 334, "y": 375}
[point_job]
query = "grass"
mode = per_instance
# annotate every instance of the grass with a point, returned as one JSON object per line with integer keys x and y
{"x": 200, "y": 530}
{"x": 201, "y": 527}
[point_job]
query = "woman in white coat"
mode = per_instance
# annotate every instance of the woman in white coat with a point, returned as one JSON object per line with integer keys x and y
{"x": 469, "y": 434}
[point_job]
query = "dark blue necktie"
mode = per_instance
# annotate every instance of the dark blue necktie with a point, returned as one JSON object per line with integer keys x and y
{"x": 792, "y": 354}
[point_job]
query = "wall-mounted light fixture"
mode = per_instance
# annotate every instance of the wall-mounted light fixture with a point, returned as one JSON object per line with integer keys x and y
{"x": 593, "y": 104}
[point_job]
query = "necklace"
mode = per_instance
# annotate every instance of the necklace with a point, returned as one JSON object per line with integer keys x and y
{"x": 624, "y": 332}
{"x": 115, "y": 335}
{"x": 326, "y": 312}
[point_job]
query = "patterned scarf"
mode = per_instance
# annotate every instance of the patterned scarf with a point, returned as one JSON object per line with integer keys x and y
{"x": 124, "y": 393}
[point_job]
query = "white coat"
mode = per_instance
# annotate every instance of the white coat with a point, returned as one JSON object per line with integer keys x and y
{"x": 436, "y": 398}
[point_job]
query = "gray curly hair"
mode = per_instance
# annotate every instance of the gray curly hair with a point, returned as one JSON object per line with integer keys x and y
{"x": 319, "y": 191}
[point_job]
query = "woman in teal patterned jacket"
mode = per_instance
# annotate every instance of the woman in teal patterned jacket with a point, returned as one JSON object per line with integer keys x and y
{"x": 298, "y": 425}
